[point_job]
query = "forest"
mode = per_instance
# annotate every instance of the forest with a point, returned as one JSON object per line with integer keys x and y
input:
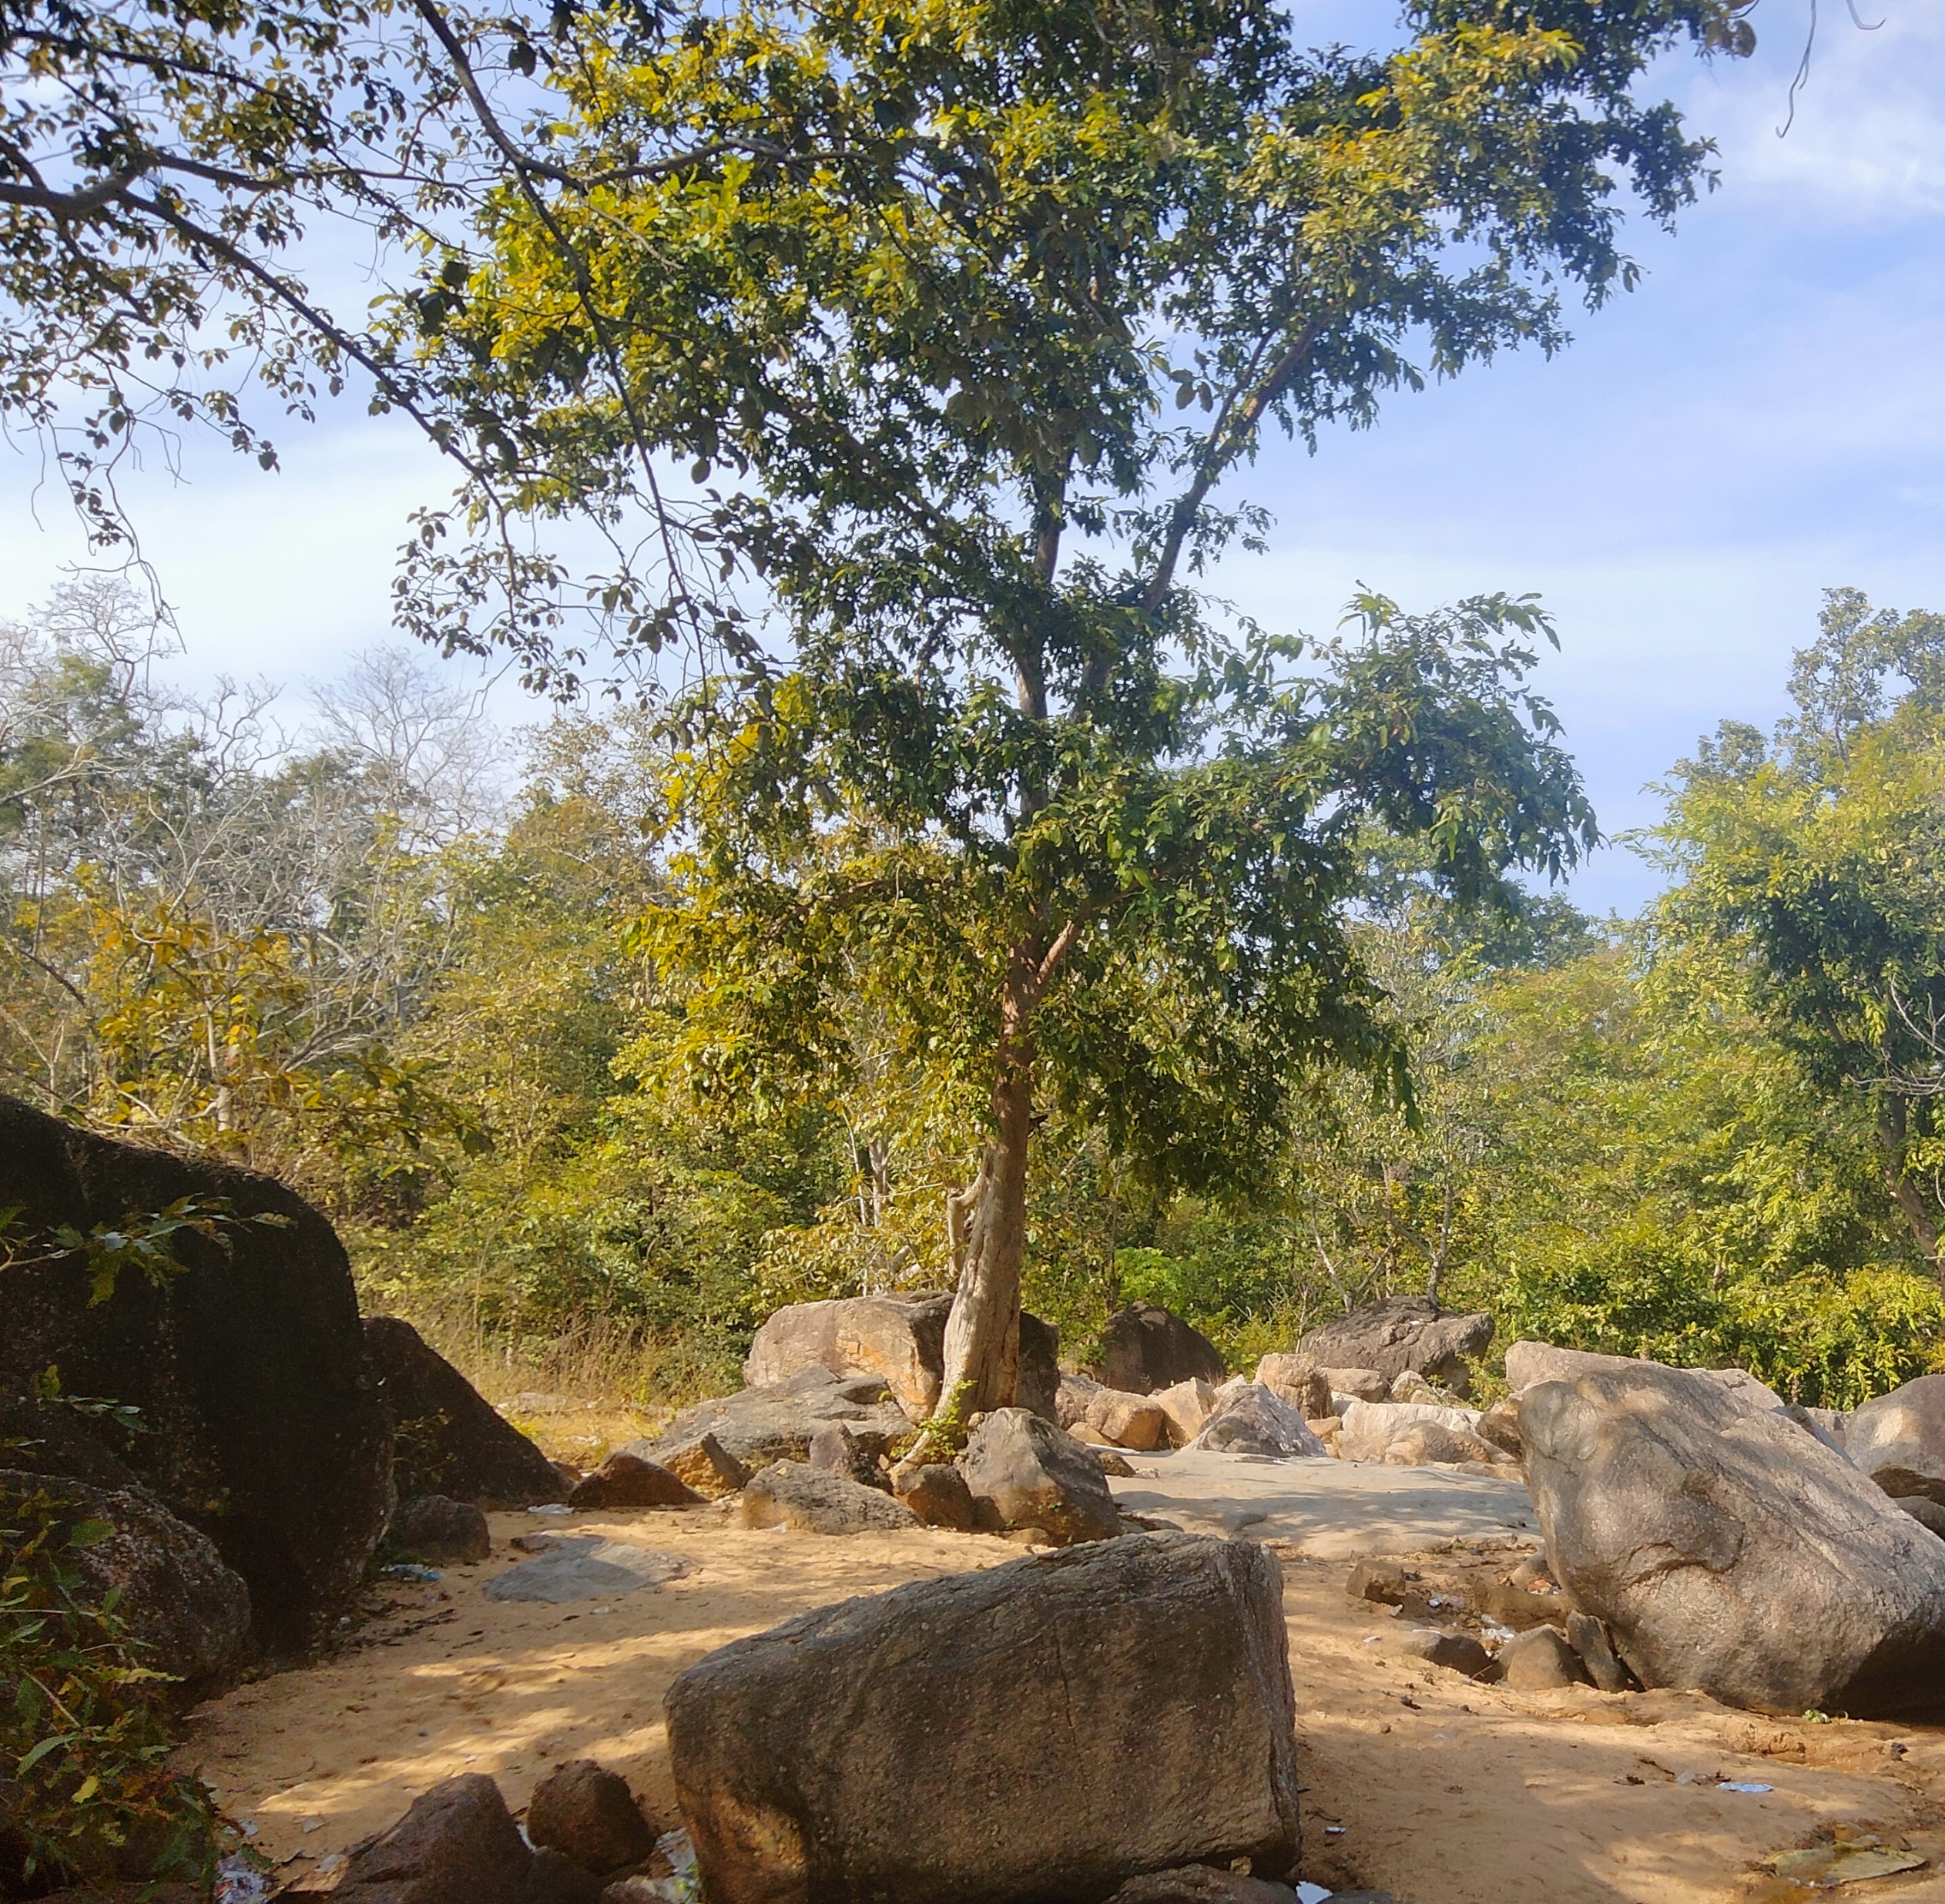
{"x": 440, "y": 980}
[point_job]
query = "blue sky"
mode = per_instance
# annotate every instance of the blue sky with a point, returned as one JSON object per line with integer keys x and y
{"x": 1765, "y": 416}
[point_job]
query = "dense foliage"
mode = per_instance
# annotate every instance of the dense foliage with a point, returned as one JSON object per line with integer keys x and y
{"x": 1625, "y": 1137}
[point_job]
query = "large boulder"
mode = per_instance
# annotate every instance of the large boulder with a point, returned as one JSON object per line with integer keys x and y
{"x": 1528, "y": 1363}
{"x": 777, "y": 1423}
{"x": 1726, "y": 1549}
{"x": 1307, "y": 1389}
{"x": 1399, "y": 1333}
{"x": 1898, "y": 1439}
{"x": 899, "y": 1338}
{"x": 1037, "y": 1476}
{"x": 589, "y": 1815}
{"x": 451, "y": 1439}
{"x": 627, "y": 1480}
{"x": 1145, "y": 1347}
{"x": 1248, "y": 1419}
{"x": 1188, "y": 1406}
{"x": 814, "y": 1500}
{"x": 1370, "y": 1428}
{"x": 187, "y": 1614}
{"x": 1032, "y": 1734}
{"x": 263, "y": 1425}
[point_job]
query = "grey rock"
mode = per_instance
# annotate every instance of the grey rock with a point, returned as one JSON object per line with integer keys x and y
{"x": 838, "y": 1449}
{"x": 1898, "y": 1439}
{"x": 1500, "y": 1424}
{"x": 1540, "y": 1660}
{"x": 585, "y": 1567}
{"x": 1202, "y": 1884}
{"x": 1072, "y": 1397}
{"x": 1589, "y": 1638}
{"x": 1249, "y": 1419}
{"x": 1037, "y": 1476}
{"x": 1399, "y": 1333}
{"x": 1361, "y": 1385}
{"x": 187, "y": 1612}
{"x": 631, "y": 1480}
{"x": 1440, "y": 1646}
{"x": 1923, "y": 1510}
{"x": 587, "y": 1813}
{"x": 775, "y": 1422}
{"x": 444, "y": 1532}
{"x": 1145, "y": 1347}
{"x": 1726, "y": 1549}
{"x": 451, "y": 1440}
{"x": 969, "y": 1740}
{"x": 1038, "y": 1382}
{"x": 937, "y": 1493}
{"x": 786, "y": 1494}
{"x": 262, "y": 1425}
{"x": 1529, "y": 1363}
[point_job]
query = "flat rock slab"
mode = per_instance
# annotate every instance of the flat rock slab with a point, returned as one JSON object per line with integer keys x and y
{"x": 1326, "y": 1509}
{"x": 585, "y": 1568}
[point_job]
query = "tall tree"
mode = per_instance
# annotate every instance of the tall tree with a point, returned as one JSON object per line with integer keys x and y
{"x": 962, "y": 313}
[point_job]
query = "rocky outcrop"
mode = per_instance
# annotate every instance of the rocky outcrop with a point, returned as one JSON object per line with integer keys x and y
{"x": 451, "y": 1440}
{"x": 1145, "y": 1347}
{"x": 1036, "y": 1477}
{"x": 786, "y": 1494}
{"x": 262, "y": 1425}
{"x": 589, "y": 1815}
{"x": 759, "y": 1425}
{"x": 1248, "y": 1419}
{"x": 899, "y": 1338}
{"x": 971, "y": 1739}
{"x": 186, "y": 1613}
{"x": 628, "y": 1480}
{"x": 1898, "y": 1439}
{"x": 444, "y": 1532}
{"x": 1401, "y": 1332}
{"x": 1726, "y": 1549}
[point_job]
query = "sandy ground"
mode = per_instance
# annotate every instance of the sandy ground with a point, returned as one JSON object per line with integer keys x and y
{"x": 1438, "y": 1788}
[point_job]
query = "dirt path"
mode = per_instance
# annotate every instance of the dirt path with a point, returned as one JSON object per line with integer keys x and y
{"x": 1439, "y": 1789}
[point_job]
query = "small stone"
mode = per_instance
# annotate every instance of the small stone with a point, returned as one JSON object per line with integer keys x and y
{"x": 1439, "y": 1646}
{"x": 1113, "y": 1464}
{"x": 837, "y": 1448}
{"x": 446, "y": 1532}
{"x": 631, "y": 1480}
{"x": 587, "y": 1813}
{"x": 1541, "y": 1661}
{"x": 1383, "y": 1581}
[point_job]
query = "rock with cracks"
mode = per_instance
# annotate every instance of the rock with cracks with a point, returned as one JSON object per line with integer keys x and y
{"x": 1037, "y": 1733}
{"x": 812, "y": 1501}
{"x": 901, "y": 1339}
{"x": 836, "y": 1449}
{"x": 1249, "y": 1420}
{"x": 261, "y": 1423}
{"x": 1145, "y": 1347}
{"x": 1036, "y": 1477}
{"x": 1307, "y": 1389}
{"x": 1898, "y": 1439}
{"x": 1399, "y": 1333}
{"x": 452, "y": 1440}
{"x": 1727, "y": 1550}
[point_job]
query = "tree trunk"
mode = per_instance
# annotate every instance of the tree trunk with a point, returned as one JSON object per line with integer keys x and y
{"x": 1892, "y": 1133}
{"x": 988, "y": 1224}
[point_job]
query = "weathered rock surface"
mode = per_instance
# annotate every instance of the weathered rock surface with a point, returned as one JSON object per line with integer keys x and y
{"x": 187, "y": 1611}
{"x": 1371, "y": 1430}
{"x": 1249, "y": 1420}
{"x": 901, "y": 1339}
{"x": 1500, "y": 1424}
{"x": 1188, "y": 1406}
{"x": 1529, "y": 1363}
{"x": 1039, "y": 1377}
{"x": 1898, "y": 1439}
{"x": 451, "y": 1440}
{"x": 458, "y": 1844}
{"x": 1727, "y": 1550}
{"x": 1145, "y": 1347}
{"x": 589, "y": 1815}
{"x": 263, "y": 1425}
{"x": 1430, "y": 1444}
{"x": 1128, "y": 1421}
{"x": 1399, "y": 1333}
{"x": 700, "y": 1462}
{"x": 1540, "y": 1660}
{"x": 48, "y": 1437}
{"x": 787, "y": 1494}
{"x": 759, "y": 1425}
{"x": 970, "y": 1740}
{"x": 631, "y": 1480}
{"x": 1923, "y": 1510}
{"x": 1360, "y": 1384}
{"x": 1072, "y": 1397}
{"x": 1036, "y": 1477}
{"x": 1304, "y": 1387}
{"x": 442, "y": 1532}
{"x": 572, "y": 1568}
{"x": 838, "y": 1449}
{"x": 1440, "y": 1646}
{"x": 937, "y": 1493}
